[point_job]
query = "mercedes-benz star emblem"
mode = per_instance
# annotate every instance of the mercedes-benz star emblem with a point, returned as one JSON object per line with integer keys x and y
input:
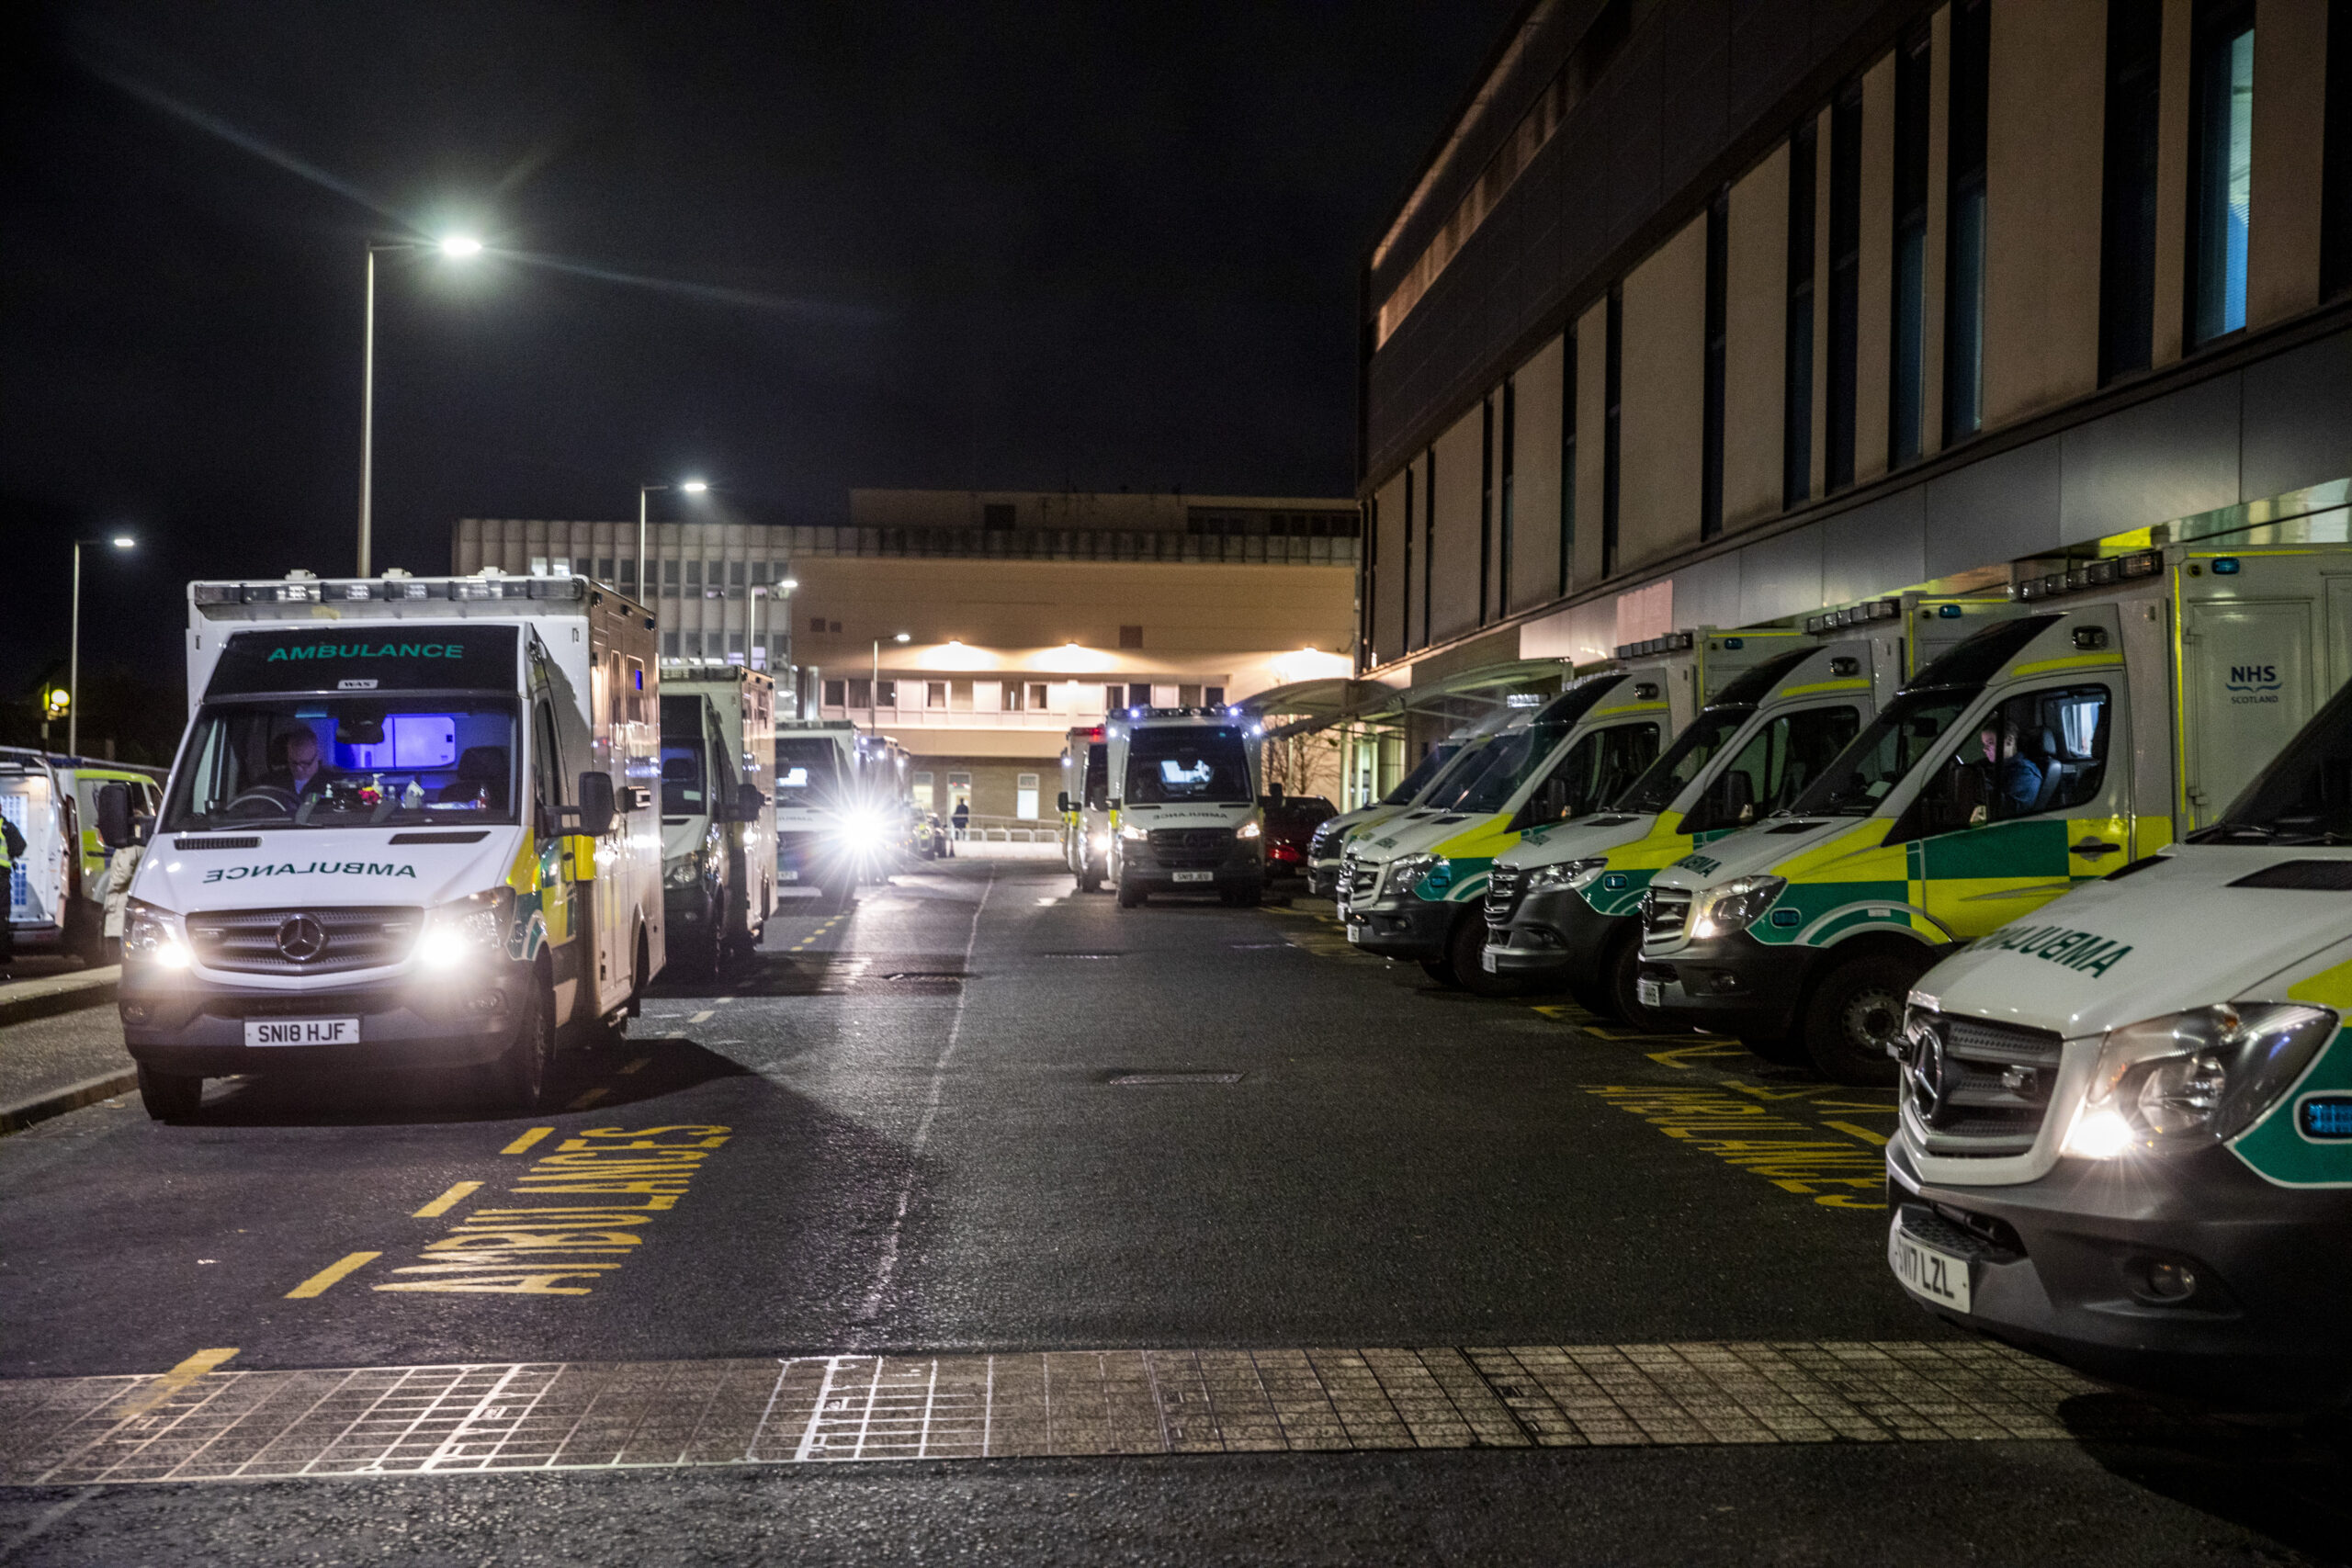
{"x": 1927, "y": 1069}
{"x": 301, "y": 938}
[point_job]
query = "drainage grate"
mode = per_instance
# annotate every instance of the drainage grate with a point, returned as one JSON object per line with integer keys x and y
{"x": 1134, "y": 1080}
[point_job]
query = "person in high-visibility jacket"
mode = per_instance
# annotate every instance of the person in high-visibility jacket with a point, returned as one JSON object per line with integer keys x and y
{"x": 12, "y": 849}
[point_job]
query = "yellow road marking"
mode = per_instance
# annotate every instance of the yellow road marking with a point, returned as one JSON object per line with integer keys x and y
{"x": 640, "y": 1062}
{"x": 170, "y": 1382}
{"x": 1862, "y": 1133}
{"x": 522, "y": 1145}
{"x": 1675, "y": 1059}
{"x": 447, "y": 1201}
{"x": 591, "y": 1097}
{"x": 318, "y": 1283}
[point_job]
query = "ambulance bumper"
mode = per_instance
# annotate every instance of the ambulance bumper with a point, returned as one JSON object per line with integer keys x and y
{"x": 1731, "y": 984}
{"x": 177, "y": 1024}
{"x": 2069, "y": 1266}
{"x": 1555, "y": 935}
{"x": 1402, "y": 927}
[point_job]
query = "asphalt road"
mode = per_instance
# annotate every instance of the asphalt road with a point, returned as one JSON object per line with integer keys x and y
{"x": 918, "y": 1141}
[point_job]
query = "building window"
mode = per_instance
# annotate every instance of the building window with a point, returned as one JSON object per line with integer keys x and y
{"x": 1012, "y": 695}
{"x": 1037, "y": 697}
{"x": 1796, "y": 374}
{"x": 1710, "y": 453}
{"x": 935, "y": 695}
{"x": 693, "y": 579}
{"x": 996, "y": 515}
{"x": 2222, "y": 156}
{"x": 1212, "y": 696}
{"x": 2336, "y": 158}
{"x": 1845, "y": 280}
{"x": 735, "y": 580}
{"x": 2127, "y": 272}
{"x": 1567, "y": 456}
{"x": 835, "y": 695}
{"x": 1024, "y": 797}
{"x": 1113, "y": 698}
{"x": 668, "y": 645}
{"x": 538, "y": 565}
{"x": 1612, "y": 407}
{"x": 1907, "y": 390}
{"x": 628, "y": 574}
{"x": 1485, "y": 507}
{"x": 1140, "y": 693}
{"x": 1130, "y": 636}
{"x": 581, "y": 566}
{"x": 885, "y": 693}
{"x": 1972, "y": 22}
{"x": 1504, "y": 523}
{"x": 861, "y": 694}
{"x": 603, "y": 569}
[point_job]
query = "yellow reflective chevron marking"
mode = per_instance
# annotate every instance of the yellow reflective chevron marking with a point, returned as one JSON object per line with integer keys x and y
{"x": 1819, "y": 687}
{"x": 2072, "y": 661}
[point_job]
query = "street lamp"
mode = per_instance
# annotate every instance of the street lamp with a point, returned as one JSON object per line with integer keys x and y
{"x": 456, "y": 247}
{"x": 692, "y": 486}
{"x": 74, "y": 653}
{"x": 874, "y": 692}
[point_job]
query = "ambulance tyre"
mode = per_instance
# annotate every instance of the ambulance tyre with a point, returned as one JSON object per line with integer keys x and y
{"x": 523, "y": 1073}
{"x": 1467, "y": 950}
{"x": 1129, "y": 897}
{"x": 1854, "y": 1013}
{"x": 1089, "y": 881}
{"x": 170, "y": 1097}
{"x": 1441, "y": 971}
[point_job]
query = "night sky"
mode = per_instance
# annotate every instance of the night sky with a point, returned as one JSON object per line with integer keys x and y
{"x": 793, "y": 248}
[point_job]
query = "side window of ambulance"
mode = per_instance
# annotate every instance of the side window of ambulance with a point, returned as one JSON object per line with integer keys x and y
{"x": 1595, "y": 772}
{"x": 546, "y": 771}
{"x": 2032, "y": 754}
{"x": 1776, "y": 765}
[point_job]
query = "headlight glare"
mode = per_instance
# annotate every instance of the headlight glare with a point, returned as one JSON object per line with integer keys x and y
{"x": 152, "y": 934}
{"x": 471, "y": 928}
{"x": 1248, "y": 831}
{"x": 2194, "y": 1078}
{"x": 1732, "y": 906}
{"x": 1132, "y": 833}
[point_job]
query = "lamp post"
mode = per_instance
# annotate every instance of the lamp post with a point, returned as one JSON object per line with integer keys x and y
{"x": 457, "y": 247}
{"x": 691, "y": 487}
{"x": 874, "y": 692}
{"x": 74, "y": 648}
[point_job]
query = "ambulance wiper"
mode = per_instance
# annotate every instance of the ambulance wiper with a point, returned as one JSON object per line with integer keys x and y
{"x": 2233, "y": 832}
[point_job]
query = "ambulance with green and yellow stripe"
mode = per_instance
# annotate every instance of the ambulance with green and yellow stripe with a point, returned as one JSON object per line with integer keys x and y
{"x": 413, "y": 825}
{"x": 2125, "y": 1123}
{"x": 2108, "y": 709}
{"x": 1413, "y": 889}
{"x": 1561, "y": 906}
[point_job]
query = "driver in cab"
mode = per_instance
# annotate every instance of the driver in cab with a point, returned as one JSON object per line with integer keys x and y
{"x": 301, "y": 773}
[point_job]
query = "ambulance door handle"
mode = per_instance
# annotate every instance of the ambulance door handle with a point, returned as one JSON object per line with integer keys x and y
{"x": 2094, "y": 848}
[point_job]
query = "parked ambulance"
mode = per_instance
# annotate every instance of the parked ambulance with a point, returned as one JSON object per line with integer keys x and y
{"x": 1086, "y": 806}
{"x": 2048, "y": 748}
{"x": 1327, "y": 848}
{"x": 56, "y": 902}
{"x": 2125, "y": 1136}
{"x": 1414, "y": 887}
{"x": 1185, "y": 805}
{"x": 412, "y": 825}
{"x": 1563, "y": 905}
{"x": 718, "y": 812}
{"x": 824, "y": 837}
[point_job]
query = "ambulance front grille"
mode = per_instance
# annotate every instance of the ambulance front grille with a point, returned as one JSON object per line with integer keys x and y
{"x": 1503, "y": 884}
{"x": 1664, "y": 912}
{"x": 1972, "y": 1088}
{"x": 302, "y": 941}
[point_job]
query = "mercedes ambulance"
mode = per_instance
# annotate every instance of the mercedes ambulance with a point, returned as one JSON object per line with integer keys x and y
{"x": 821, "y": 831}
{"x": 56, "y": 903}
{"x": 2110, "y": 709}
{"x": 2125, "y": 1124}
{"x": 1086, "y": 806}
{"x": 1327, "y": 848}
{"x": 1185, "y": 805}
{"x": 410, "y": 825}
{"x": 1561, "y": 905}
{"x": 718, "y": 812}
{"x": 1414, "y": 887}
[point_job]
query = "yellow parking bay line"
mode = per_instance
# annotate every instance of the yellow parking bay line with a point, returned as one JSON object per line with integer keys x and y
{"x": 591, "y": 1097}
{"x": 819, "y": 1408}
{"x": 522, "y": 1146}
{"x": 447, "y": 1201}
{"x": 319, "y": 1283}
{"x": 170, "y": 1382}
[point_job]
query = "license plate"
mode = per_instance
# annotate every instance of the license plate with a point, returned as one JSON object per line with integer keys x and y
{"x": 1649, "y": 993}
{"x": 301, "y": 1031}
{"x": 1486, "y": 959}
{"x": 787, "y": 876}
{"x": 1928, "y": 1272}
{"x": 1195, "y": 875}
{"x": 1355, "y": 933}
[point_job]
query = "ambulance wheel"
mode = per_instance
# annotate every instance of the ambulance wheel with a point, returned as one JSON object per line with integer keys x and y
{"x": 169, "y": 1097}
{"x": 1467, "y": 950}
{"x": 524, "y": 1071}
{"x": 1855, "y": 1012}
{"x": 1441, "y": 971}
{"x": 1089, "y": 882}
{"x": 1130, "y": 898}
{"x": 1620, "y": 973}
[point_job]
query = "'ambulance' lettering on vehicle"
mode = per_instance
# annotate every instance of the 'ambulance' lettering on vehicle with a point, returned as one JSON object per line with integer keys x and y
{"x": 2085, "y": 950}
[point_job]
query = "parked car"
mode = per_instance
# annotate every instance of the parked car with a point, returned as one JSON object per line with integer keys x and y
{"x": 1291, "y": 821}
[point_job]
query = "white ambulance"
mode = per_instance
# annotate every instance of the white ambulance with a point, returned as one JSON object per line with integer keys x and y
{"x": 718, "y": 810}
{"x": 1184, "y": 805}
{"x": 1086, "y": 806}
{"x": 2125, "y": 1132}
{"x": 824, "y": 839}
{"x": 413, "y": 824}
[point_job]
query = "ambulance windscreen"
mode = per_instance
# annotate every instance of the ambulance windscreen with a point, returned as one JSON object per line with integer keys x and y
{"x": 2304, "y": 797}
{"x": 343, "y": 763}
{"x": 1188, "y": 766}
{"x": 393, "y": 656}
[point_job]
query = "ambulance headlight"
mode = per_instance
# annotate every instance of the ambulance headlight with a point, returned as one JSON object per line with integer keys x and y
{"x": 1248, "y": 831}
{"x": 684, "y": 872}
{"x": 1571, "y": 874}
{"x": 471, "y": 929}
{"x": 1405, "y": 872}
{"x": 863, "y": 834}
{"x": 1133, "y": 833}
{"x": 1733, "y": 907}
{"x": 2195, "y": 1078}
{"x": 151, "y": 935}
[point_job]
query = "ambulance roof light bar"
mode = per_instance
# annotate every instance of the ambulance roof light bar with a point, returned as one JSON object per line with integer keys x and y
{"x": 2103, "y": 573}
{"x": 1855, "y": 615}
{"x": 1672, "y": 642}
{"x": 303, "y": 588}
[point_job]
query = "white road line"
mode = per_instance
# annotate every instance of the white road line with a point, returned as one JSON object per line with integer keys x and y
{"x": 890, "y": 1267}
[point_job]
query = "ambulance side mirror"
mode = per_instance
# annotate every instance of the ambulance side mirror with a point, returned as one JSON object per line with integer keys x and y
{"x": 1064, "y": 807}
{"x": 595, "y": 809}
{"x": 114, "y": 816}
{"x": 749, "y": 803}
